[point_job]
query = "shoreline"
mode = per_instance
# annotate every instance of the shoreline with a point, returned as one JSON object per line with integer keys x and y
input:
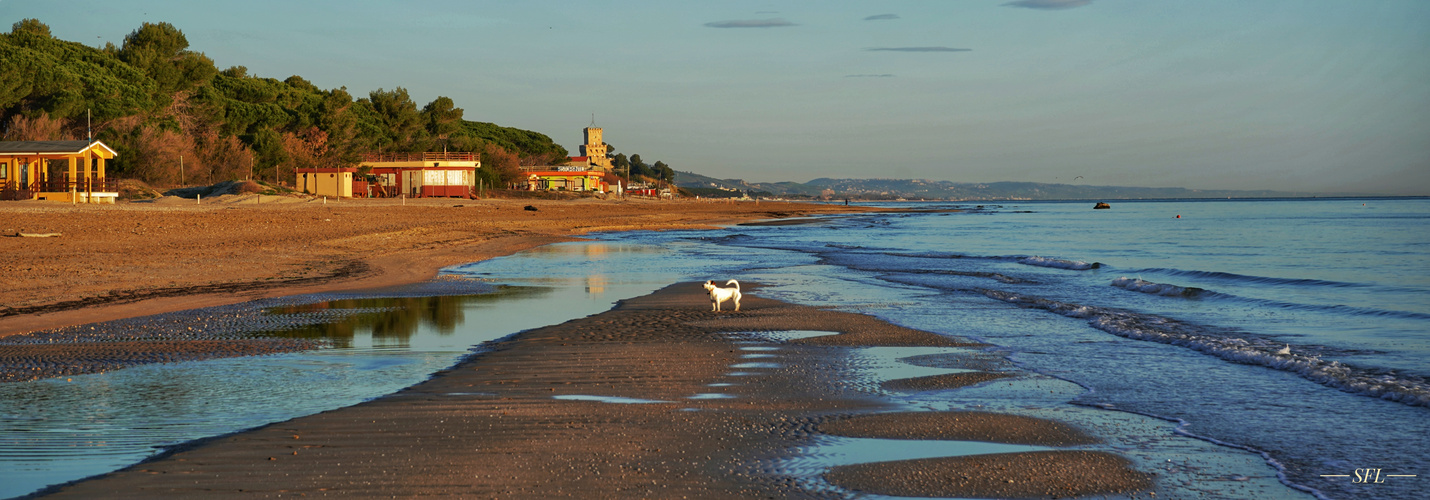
{"x": 123, "y": 261}
{"x": 532, "y": 415}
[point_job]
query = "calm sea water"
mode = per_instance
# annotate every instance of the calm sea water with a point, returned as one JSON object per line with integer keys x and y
{"x": 1283, "y": 339}
{"x": 1297, "y": 330}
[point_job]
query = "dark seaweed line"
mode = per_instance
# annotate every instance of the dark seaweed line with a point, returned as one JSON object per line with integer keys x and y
{"x": 352, "y": 268}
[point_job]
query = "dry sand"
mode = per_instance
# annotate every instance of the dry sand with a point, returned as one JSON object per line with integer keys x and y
{"x": 135, "y": 259}
{"x": 494, "y": 426}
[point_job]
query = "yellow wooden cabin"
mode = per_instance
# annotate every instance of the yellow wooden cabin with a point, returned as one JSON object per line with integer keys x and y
{"x": 68, "y": 171}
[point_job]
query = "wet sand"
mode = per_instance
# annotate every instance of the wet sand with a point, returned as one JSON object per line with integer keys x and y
{"x": 519, "y": 419}
{"x": 137, "y": 259}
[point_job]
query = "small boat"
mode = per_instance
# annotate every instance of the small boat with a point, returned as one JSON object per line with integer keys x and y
{"x": 1101, "y": 205}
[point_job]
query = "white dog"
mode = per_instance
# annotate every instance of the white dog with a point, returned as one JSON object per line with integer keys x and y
{"x": 718, "y": 295}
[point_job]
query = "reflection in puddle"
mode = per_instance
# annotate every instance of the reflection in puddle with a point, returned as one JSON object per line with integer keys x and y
{"x": 389, "y": 321}
{"x": 712, "y": 395}
{"x": 721, "y": 384}
{"x": 60, "y": 430}
{"x": 881, "y": 364}
{"x": 756, "y": 356}
{"x": 760, "y": 348}
{"x": 606, "y": 399}
{"x": 755, "y": 365}
{"x": 832, "y": 451}
{"x": 788, "y": 335}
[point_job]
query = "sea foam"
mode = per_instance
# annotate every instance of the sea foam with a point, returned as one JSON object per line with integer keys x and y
{"x": 1137, "y": 285}
{"x": 1075, "y": 265}
{"x": 1383, "y": 384}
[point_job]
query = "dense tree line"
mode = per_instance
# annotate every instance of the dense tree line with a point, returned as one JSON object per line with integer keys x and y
{"x": 155, "y": 101}
{"x": 639, "y": 169}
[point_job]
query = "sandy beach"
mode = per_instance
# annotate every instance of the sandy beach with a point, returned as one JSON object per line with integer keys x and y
{"x": 530, "y": 416}
{"x": 533, "y": 416}
{"x": 133, "y": 259}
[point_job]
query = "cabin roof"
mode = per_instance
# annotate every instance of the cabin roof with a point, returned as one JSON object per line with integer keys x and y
{"x": 50, "y": 147}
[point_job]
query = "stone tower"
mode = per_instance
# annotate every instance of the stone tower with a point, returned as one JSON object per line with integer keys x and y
{"x": 595, "y": 149}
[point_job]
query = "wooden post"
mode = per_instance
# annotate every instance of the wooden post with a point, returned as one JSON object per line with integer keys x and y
{"x": 88, "y": 179}
{"x": 74, "y": 188}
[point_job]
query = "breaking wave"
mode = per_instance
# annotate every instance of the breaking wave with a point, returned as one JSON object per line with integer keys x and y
{"x": 1261, "y": 280}
{"x": 1075, "y": 265}
{"x": 1384, "y": 384}
{"x": 1137, "y": 285}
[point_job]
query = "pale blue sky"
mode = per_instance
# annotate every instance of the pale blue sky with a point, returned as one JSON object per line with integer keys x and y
{"x": 1306, "y": 95}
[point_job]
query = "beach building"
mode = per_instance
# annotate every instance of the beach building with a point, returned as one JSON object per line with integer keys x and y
{"x": 389, "y": 175}
{"x": 334, "y": 182}
{"x": 569, "y": 177}
{"x": 68, "y": 171}
{"x": 580, "y": 173}
{"x": 595, "y": 149}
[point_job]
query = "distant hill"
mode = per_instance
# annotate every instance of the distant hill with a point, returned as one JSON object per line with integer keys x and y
{"x": 916, "y": 189}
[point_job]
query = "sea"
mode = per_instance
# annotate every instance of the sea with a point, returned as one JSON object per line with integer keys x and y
{"x": 1250, "y": 348}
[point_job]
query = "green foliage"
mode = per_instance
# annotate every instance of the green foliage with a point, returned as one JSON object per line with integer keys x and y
{"x": 155, "y": 94}
{"x": 442, "y": 117}
{"x": 64, "y": 79}
{"x": 526, "y": 142}
{"x": 160, "y": 50}
{"x": 401, "y": 123}
{"x": 663, "y": 171}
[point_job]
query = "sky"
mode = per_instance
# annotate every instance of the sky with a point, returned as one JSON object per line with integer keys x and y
{"x": 1293, "y": 95}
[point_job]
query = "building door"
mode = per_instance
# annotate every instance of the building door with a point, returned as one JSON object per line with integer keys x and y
{"x": 412, "y": 181}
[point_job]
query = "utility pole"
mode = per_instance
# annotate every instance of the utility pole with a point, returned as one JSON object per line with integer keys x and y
{"x": 181, "y": 170}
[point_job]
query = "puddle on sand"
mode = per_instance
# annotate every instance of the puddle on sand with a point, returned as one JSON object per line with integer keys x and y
{"x": 607, "y": 399}
{"x": 833, "y": 451}
{"x": 813, "y": 461}
{"x": 712, "y": 395}
{"x": 58, "y": 430}
{"x": 882, "y": 364}
{"x": 755, "y": 365}
{"x": 758, "y": 356}
{"x": 788, "y": 335}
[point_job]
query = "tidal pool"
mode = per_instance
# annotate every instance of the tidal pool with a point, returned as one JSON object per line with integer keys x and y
{"x": 58, "y": 430}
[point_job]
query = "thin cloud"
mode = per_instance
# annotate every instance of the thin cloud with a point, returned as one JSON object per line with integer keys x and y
{"x": 751, "y": 23}
{"x": 882, "y": 17}
{"x": 1048, "y": 4}
{"x": 916, "y": 49}
{"x": 885, "y": 75}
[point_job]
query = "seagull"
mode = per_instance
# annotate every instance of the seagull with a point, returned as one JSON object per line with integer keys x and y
{"x": 1285, "y": 350}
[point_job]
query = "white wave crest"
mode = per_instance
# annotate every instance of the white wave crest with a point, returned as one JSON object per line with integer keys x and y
{"x": 1389, "y": 386}
{"x": 1137, "y": 285}
{"x": 1075, "y": 265}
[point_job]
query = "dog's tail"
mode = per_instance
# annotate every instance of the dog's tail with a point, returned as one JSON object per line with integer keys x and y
{"x": 733, "y": 282}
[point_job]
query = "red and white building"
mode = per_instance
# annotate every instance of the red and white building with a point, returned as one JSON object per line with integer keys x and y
{"x": 390, "y": 175}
